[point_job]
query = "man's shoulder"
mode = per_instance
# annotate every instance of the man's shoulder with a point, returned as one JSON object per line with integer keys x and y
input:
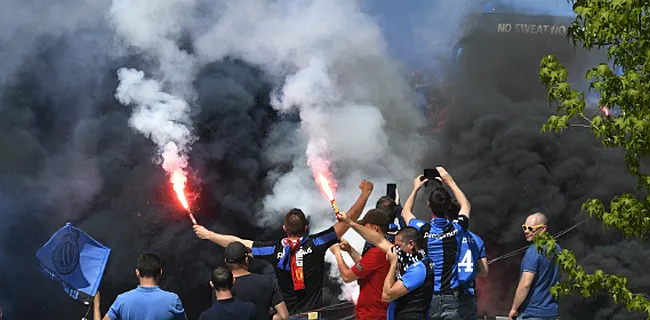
{"x": 475, "y": 238}
{"x": 245, "y": 305}
{"x": 324, "y": 232}
{"x": 418, "y": 267}
{"x": 257, "y": 278}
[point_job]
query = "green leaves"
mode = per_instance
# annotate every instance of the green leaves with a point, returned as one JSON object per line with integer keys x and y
{"x": 621, "y": 27}
{"x": 588, "y": 285}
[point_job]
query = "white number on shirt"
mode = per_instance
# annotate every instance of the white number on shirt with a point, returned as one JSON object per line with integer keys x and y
{"x": 467, "y": 262}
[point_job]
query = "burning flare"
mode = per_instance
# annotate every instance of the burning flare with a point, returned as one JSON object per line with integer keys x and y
{"x": 178, "y": 180}
{"x": 327, "y": 189}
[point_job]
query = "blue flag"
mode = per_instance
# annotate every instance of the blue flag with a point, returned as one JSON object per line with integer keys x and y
{"x": 75, "y": 260}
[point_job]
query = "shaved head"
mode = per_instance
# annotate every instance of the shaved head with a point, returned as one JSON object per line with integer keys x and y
{"x": 536, "y": 219}
{"x": 535, "y": 223}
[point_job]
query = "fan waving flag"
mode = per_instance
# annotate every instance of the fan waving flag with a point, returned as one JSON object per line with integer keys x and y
{"x": 75, "y": 260}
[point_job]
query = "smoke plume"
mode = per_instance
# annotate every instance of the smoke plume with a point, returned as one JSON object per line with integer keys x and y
{"x": 493, "y": 146}
{"x": 248, "y": 99}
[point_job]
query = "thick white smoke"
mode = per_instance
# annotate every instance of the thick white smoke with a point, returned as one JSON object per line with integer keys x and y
{"x": 158, "y": 115}
{"x": 355, "y": 108}
{"x": 154, "y": 28}
{"x": 329, "y": 60}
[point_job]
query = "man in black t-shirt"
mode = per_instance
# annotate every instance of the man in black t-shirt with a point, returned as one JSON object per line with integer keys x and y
{"x": 259, "y": 289}
{"x": 227, "y": 307}
{"x": 298, "y": 259}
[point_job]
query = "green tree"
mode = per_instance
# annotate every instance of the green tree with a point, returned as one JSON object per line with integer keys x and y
{"x": 622, "y": 28}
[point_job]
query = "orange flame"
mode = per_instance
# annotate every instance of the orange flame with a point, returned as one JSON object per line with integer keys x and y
{"x": 605, "y": 111}
{"x": 178, "y": 180}
{"x": 325, "y": 186}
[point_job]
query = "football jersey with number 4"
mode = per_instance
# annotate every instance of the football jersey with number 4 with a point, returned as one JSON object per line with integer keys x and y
{"x": 471, "y": 251}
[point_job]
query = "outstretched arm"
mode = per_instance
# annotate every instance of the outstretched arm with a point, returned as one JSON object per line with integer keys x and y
{"x": 407, "y": 211}
{"x": 368, "y": 234}
{"x": 220, "y": 239}
{"x": 465, "y": 207}
{"x": 355, "y": 211}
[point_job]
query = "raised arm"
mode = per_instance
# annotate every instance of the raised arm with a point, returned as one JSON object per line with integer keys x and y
{"x": 407, "y": 210}
{"x": 366, "y": 233}
{"x": 220, "y": 239}
{"x": 355, "y": 211}
{"x": 465, "y": 207}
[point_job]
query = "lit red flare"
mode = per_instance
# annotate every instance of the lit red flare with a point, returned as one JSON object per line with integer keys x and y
{"x": 328, "y": 189}
{"x": 178, "y": 180}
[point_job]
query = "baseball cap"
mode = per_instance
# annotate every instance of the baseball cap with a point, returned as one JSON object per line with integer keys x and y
{"x": 377, "y": 217}
{"x": 235, "y": 252}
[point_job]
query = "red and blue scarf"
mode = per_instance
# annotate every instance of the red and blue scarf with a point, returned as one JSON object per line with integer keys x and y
{"x": 288, "y": 261}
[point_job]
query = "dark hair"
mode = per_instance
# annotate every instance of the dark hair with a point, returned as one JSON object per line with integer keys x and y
{"x": 222, "y": 279}
{"x": 388, "y": 204}
{"x": 454, "y": 209}
{"x": 149, "y": 265}
{"x": 295, "y": 222}
{"x": 439, "y": 201}
{"x": 411, "y": 234}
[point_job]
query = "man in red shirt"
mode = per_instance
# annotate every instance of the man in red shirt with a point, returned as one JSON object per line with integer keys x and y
{"x": 370, "y": 269}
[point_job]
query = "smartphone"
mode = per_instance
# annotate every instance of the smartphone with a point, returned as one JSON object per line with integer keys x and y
{"x": 431, "y": 174}
{"x": 391, "y": 190}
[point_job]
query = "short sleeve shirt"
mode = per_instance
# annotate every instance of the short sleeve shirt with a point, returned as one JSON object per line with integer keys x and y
{"x": 415, "y": 304}
{"x": 311, "y": 254}
{"x": 147, "y": 303}
{"x": 471, "y": 251}
{"x": 540, "y": 302}
{"x": 371, "y": 270}
{"x": 444, "y": 239}
{"x": 259, "y": 289}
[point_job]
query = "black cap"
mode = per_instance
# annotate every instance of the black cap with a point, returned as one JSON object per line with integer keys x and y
{"x": 378, "y": 217}
{"x": 235, "y": 252}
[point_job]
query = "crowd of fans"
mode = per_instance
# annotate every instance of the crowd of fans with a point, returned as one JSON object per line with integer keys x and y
{"x": 412, "y": 269}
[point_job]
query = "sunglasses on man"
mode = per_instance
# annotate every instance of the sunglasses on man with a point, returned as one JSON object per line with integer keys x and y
{"x": 531, "y": 228}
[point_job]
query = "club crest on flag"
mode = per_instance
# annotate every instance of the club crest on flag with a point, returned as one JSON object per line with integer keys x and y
{"x": 66, "y": 254}
{"x": 74, "y": 260}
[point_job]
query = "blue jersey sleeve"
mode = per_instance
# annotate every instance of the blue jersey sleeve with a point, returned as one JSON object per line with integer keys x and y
{"x": 481, "y": 248}
{"x": 531, "y": 260}
{"x": 114, "y": 311}
{"x": 414, "y": 276}
{"x": 177, "y": 309}
{"x": 325, "y": 239}
{"x": 417, "y": 224}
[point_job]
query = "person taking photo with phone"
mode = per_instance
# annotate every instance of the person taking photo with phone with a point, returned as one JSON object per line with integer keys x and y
{"x": 443, "y": 239}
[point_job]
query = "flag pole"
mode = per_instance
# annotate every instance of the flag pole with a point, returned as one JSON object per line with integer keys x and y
{"x": 85, "y": 317}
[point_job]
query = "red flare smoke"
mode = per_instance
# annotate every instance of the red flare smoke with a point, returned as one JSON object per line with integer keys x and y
{"x": 178, "y": 180}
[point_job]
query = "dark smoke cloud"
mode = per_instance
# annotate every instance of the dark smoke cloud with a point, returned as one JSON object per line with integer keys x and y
{"x": 70, "y": 155}
{"x": 509, "y": 169}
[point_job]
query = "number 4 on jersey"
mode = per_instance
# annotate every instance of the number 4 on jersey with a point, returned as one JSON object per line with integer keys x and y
{"x": 467, "y": 262}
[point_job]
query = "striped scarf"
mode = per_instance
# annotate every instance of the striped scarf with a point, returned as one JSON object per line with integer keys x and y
{"x": 405, "y": 260}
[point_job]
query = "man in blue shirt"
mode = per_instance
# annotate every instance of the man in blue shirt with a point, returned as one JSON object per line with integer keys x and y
{"x": 147, "y": 301}
{"x": 538, "y": 274}
{"x": 444, "y": 239}
{"x": 472, "y": 263}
